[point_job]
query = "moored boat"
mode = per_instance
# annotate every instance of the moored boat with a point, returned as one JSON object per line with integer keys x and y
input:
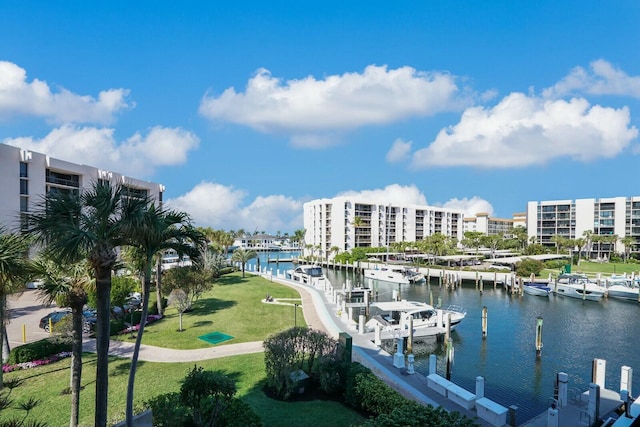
{"x": 536, "y": 288}
{"x": 579, "y": 286}
{"x": 394, "y": 318}
{"x": 308, "y": 275}
{"x": 622, "y": 287}
{"x": 398, "y": 274}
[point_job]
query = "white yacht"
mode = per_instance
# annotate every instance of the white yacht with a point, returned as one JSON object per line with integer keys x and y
{"x": 622, "y": 287}
{"x": 309, "y": 275}
{"x": 394, "y": 318}
{"x": 398, "y": 274}
{"x": 579, "y": 286}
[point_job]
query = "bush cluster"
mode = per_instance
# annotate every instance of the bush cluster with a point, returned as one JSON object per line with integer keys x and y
{"x": 39, "y": 350}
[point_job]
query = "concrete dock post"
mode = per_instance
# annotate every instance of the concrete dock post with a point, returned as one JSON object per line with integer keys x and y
{"x": 410, "y": 364}
{"x": 394, "y": 295}
{"x": 361, "y": 324}
{"x": 398, "y": 356}
{"x": 594, "y": 401}
{"x": 512, "y": 416}
{"x": 448, "y": 328}
{"x": 481, "y": 284}
{"x": 366, "y": 303}
{"x": 433, "y": 361}
{"x": 598, "y": 372}
{"x": 430, "y": 297}
{"x": 479, "y": 387}
{"x": 552, "y": 417}
{"x": 563, "y": 388}
{"x": 476, "y": 280}
{"x": 410, "y": 339}
{"x": 376, "y": 335}
{"x": 626, "y": 375}
{"x": 484, "y": 322}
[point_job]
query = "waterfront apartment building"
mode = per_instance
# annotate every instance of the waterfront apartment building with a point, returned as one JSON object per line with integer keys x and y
{"x": 351, "y": 222}
{"x": 483, "y": 223}
{"x": 25, "y": 176}
{"x": 619, "y": 216}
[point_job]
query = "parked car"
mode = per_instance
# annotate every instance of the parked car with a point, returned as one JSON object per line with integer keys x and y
{"x": 90, "y": 319}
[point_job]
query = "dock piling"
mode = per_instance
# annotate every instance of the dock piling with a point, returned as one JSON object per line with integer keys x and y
{"x": 449, "y": 357}
{"x": 539, "y": 336}
{"x": 484, "y": 322}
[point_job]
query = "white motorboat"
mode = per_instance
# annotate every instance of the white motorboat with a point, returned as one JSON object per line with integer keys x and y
{"x": 536, "y": 288}
{"x": 394, "y": 318}
{"x": 399, "y": 274}
{"x": 309, "y": 275}
{"x": 579, "y": 286}
{"x": 622, "y": 287}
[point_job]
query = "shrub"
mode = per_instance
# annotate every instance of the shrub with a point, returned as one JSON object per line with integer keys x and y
{"x": 39, "y": 350}
{"x": 529, "y": 266}
{"x": 413, "y": 414}
{"x": 239, "y": 414}
{"x": 168, "y": 411}
{"x": 294, "y": 349}
{"x": 375, "y": 396}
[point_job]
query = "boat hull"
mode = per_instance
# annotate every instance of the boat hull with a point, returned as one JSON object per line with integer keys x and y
{"x": 623, "y": 292}
{"x": 579, "y": 291}
{"x": 537, "y": 290}
{"x": 386, "y": 276}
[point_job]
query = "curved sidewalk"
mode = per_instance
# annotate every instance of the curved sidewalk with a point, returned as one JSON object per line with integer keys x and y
{"x": 151, "y": 353}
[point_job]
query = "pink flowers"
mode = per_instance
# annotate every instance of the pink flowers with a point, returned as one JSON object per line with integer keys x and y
{"x": 150, "y": 319}
{"x": 36, "y": 363}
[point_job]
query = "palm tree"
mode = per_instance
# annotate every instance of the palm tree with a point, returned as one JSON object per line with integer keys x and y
{"x": 334, "y": 250}
{"x": 157, "y": 230}
{"x": 67, "y": 286}
{"x": 243, "y": 256}
{"x": 298, "y": 236}
{"x": 627, "y": 242}
{"x": 14, "y": 273}
{"x": 90, "y": 225}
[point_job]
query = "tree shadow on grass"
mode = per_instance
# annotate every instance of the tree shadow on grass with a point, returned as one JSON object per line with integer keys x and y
{"x": 206, "y": 306}
{"x": 200, "y": 323}
{"x": 230, "y": 279}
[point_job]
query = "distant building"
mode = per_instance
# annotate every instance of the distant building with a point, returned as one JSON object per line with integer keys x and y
{"x": 616, "y": 216}
{"x": 264, "y": 242}
{"x": 351, "y": 222}
{"x": 26, "y": 176}
{"x": 483, "y": 223}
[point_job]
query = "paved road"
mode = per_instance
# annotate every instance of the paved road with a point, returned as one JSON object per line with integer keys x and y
{"x": 26, "y": 309}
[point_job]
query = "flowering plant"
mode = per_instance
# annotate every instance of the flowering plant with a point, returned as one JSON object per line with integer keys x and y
{"x": 35, "y": 363}
{"x": 150, "y": 319}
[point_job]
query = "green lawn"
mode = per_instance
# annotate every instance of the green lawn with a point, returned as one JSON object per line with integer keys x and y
{"x": 604, "y": 268}
{"x": 47, "y": 384}
{"x": 232, "y": 307}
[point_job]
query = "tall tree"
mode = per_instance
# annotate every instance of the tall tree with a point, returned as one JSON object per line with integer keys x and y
{"x": 14, "y": 273}
{"x": 90, "y": 225}
{"x": 627, "y": 242}
{"x": 66, "y": 284}
{"x": 243, "y": 256}
{"x": 156, "y": 230}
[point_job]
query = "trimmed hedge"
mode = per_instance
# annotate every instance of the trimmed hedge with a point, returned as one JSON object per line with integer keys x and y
{"x": 39, "y": 350}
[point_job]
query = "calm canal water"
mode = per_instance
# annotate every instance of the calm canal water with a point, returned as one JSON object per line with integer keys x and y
{"x": 574, "y": 333}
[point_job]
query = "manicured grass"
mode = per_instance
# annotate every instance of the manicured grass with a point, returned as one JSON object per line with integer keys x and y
{"x": 46, "y": 384}
{"x": 604, "y": 268}
{"x": 232, "y": 307}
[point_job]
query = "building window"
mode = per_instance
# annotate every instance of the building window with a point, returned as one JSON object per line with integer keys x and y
{"x": 24, "y": 187}
{"x": 24, "y": 170}
{"x": 24, "y": 204}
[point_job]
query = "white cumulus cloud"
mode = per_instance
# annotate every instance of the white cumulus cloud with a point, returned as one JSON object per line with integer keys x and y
{"x": 224, "y": 207}
{"x": 394, "y": 193}
{"x": 337, "y": 103}
{"x": 602, "y": 78}
{"x": 470, "y": 206}
{"x": 36, "y": 98}
{"x": 524, "y": 130}
{"x": 399, "y": 151}
{"x": 136, "y": 156}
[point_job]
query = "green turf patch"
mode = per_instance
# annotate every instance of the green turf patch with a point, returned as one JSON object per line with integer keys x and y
{"x": 215, "y": 337}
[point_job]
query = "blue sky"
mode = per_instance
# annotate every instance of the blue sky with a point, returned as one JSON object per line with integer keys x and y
{"x": 245, "y": 111}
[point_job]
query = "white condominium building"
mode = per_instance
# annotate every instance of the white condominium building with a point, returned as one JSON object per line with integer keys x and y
{"x": 350, "y": 222}
{"x": 619, "y": 216}
{"x": 26, "y": 176}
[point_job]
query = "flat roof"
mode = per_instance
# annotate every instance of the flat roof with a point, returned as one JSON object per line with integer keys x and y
{"x": 516, "y": 259}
